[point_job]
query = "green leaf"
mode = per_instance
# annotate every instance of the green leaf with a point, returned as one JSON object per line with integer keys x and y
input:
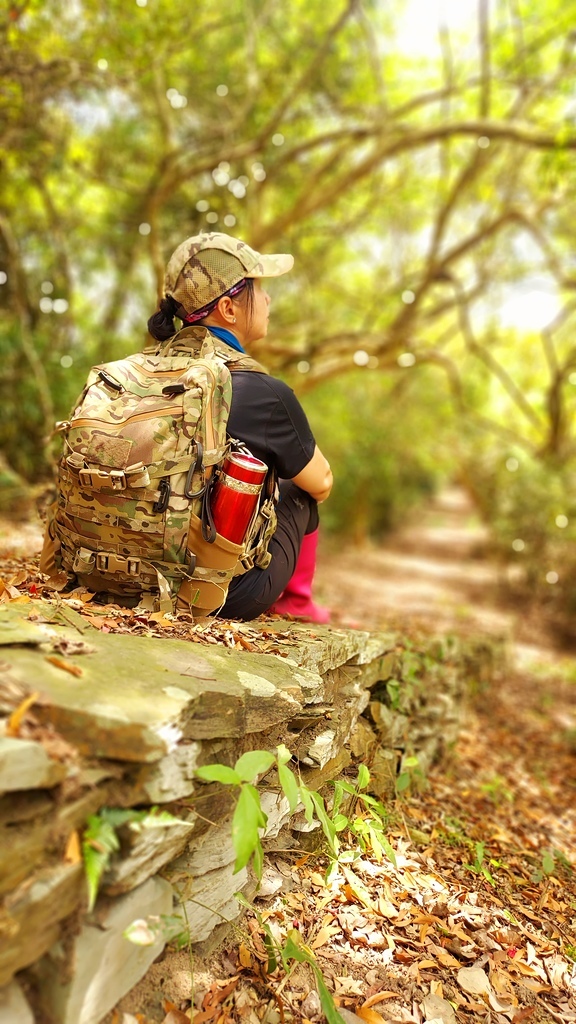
{"x": 95, "y": 863}
{"x": 363, "y": 776}
{"x": 326, "y": 822}
{"x": 376, "y": 844}
{"x": 402, "y": 782}
{"x": 378, "y": 807}
{"x": 346, "y": 786}
{"x": 283, "y": 754}
{"x": 117, "y": 816}
{"x": 258, "y": 860}
{"x": 253, "y": 763}
{"x": 326, "y": 1000}
{"x": 289, "y": 784}
{"x": 338, "y": 797}
{"x": 548, "y": 862}
{"x": 388, "y": 850}
{"x": 219, "y": 773}
{"x": 156, "y": 819}
{"x": 306, "y": 801}
{"x": 302, "y": 955}
{"x": 270, "y": 945}
{"x": 331, "y": 871}
{"x": 340, "y": 821}
{"x": 248, "y": 819}
{"x": 99, "y": 842}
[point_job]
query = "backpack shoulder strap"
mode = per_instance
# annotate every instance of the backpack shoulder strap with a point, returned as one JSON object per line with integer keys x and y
{"x": 198, "y": 341}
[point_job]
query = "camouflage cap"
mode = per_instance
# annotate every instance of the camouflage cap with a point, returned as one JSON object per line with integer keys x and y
{"x": 205, "y": 266}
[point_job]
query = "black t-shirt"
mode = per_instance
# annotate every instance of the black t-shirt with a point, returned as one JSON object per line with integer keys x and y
{"x": 266, "y": 415}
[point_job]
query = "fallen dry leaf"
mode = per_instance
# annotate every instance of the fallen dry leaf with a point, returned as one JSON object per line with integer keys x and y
{"x": 66, "y": 666}
{"x": 15, "y": 719}
{"x": 369, "y": 1015}
{"x": 176, "y": 1017}
{"x": 379, "y": 997}
{"x": 244, "y": 956}
{"x": 73, "y": 852}
{"x": 523, "y": 1014}
{"x": 324, "y": 935}
{"x": 436, "y": 1008}
{"x": 474, "y": 981}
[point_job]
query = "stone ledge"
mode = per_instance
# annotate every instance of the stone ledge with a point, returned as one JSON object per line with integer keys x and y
{"x": 130, "y": 729}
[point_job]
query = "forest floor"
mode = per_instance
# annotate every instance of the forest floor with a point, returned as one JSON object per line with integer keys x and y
{"x": 476, "y": 921}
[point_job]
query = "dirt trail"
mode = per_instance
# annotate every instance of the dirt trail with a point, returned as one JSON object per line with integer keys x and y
{"x": 429, "y": 570}
{"x": 437, "y": 573}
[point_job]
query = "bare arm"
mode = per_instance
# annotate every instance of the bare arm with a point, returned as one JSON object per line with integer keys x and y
{"x": 316, "y": 477}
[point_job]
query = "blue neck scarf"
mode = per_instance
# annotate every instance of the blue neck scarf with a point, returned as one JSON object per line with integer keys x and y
{"x": 227, "y": 336}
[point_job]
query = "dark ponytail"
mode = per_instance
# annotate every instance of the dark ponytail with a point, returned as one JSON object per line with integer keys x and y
{"x": 161, "y": 324}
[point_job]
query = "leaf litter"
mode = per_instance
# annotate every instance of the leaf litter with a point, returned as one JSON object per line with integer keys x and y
{"x": 475, "y": 922}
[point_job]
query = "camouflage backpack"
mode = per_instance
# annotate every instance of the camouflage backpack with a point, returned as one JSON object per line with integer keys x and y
{"x": 140, "y": 448}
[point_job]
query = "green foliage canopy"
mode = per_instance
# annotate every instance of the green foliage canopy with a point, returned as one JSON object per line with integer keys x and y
{"x": 413, "y": 192}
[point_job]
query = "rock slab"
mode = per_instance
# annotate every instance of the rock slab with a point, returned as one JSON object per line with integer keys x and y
{"x": 106, "y": 965}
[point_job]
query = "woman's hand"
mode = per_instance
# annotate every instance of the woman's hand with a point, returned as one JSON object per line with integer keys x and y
{"x": 316, "y": 477}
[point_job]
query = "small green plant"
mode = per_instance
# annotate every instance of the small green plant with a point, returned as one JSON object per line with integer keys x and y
{"x": 100, "y": 839}
{"x": 553, "y": 861}
{"x": 411, "y": 775}
{"x": 369, "y": 825}
{"x": 249, "y": 819}
{"x": 453, "y": 833}
{"x": 480, "y": 867}
{"x": 497, "y": 790}
{"x": 293, "y": 949}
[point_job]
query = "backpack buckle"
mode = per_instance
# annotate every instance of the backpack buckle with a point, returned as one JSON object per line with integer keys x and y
{"x": 108, "y": 561}
{"x": 117, "y": 479}
{"x": 98, "y": 479}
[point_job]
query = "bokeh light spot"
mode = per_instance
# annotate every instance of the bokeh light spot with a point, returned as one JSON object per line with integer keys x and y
{"x": 512, "y": 464}
{"x": 221, "y": 176}
{"x": 562, "y": 521}
{"x": 361, "y": 358}
{"x": 221, "y": 90}
{"x": 408, "y": 297}
{"x": 66, "y": 362}
{"x": 144, "y": 228}
{"x": 552, "y": 577}
{"x": 303, "y": 366}
{"x": 278, "y": 139}
{"x": 202, "y": 205}
{"x": 406, "y": 359}
{"x": 518, "y": 544}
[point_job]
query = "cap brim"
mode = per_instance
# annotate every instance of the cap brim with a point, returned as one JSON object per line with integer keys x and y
{"x": 272, "y": 265}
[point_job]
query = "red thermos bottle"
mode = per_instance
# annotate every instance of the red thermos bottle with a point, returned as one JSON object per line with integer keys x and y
{"x": 236, "y": 494}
